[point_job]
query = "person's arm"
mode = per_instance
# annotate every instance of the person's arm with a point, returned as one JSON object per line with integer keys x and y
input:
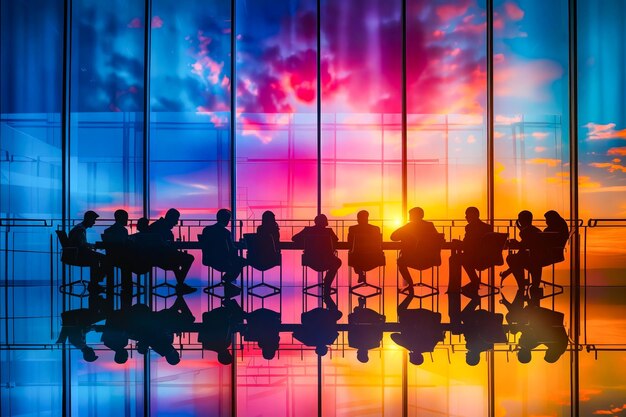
{"x": 350, "y": 237}
{"x": 398, "y": 234}
{"x": 299, "y": 237}
{"x": 333, "y": 236}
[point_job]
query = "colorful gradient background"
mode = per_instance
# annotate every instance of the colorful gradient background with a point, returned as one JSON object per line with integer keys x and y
{"x": 276, "y": 168}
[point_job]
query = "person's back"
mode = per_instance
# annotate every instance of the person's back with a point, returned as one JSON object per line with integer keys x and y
{"x": 164, "y": 225}
{"x": 115, "y": 234}
{"x": 77, "y": 237}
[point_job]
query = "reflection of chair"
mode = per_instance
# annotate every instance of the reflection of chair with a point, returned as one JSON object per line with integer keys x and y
{"x": 70, "y": 257}
{"x": 425, "y": 255}
{"x": 366, "y": 254}
{"x": 489, "y": 255}
{"x": 318, "y": 255}
{"x": 262, "y": 255}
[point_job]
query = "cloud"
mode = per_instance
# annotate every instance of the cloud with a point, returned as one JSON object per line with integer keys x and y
{"x": 507, "y": 120}
{"x": 513, "y": 11}
{"x": 540, "y": 149}
{"x": 617, "y": 151}
{"x": 612, "y": 411}
{"x": 540, "y": 135}
{"x": 609, "y": 166}
{"x": 607, "y": 131}
{"x": 545, "y": 161}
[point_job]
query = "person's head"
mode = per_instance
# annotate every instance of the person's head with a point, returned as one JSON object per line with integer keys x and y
{"x": 171, "y": 217}
{"x": 523, "y": 355}
{"x": 552, "y": 217}
{"x": 321, "y": 350}
{"x": 416, "y": 358}
{"x": 89, "y": 354}
{"x": 142, "y": 225}
{"x": 321, "y": 220}
{"x": 89, "y": 218}
{"x": 472, "y": 357}
{"x": 472, "y": 214}
{"x": 524, "y": 218}
{"x": 172, "y": 357}
{"x": 552, "y": 355}
{"x": 223, "y": 217}
{"x": 224, "y": 357}
{"x": 121, "y": 356}
{"x": 121, "y": 217}
{"x": 362, "y": 355}
{"x": 362, "y": 217}
{"x": 268, "y": 218}
{"x": 416, "y": 213}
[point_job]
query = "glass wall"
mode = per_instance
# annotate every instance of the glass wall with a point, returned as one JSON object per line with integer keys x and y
{"x": 158, "y": 104}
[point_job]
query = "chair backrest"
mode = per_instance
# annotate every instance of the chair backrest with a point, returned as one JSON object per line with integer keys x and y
{"x": 427, "y": 252}
{"x": 549, "y": 248}
{"x": 366, "y": 252}
{"x": 489, "y": 252}
{"x": 261, "y": 251}
{"x": 215, "y": 252}
{"x": 69, "y": 254}
{"x": 318, "y": 249}
{"x": 63, "y": 239}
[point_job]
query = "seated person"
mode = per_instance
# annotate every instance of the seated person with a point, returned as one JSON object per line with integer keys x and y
{"x": 415, "y": 236}
{"x": 421, "y": 330}
{"x": 481, "y": 329}
{"x": 326, "y": 259}
{"x": 85, "y": 253}
{"x": 168, "y": 257}
{"x": 318, "y": 329}
{"x": 269, "y": 227}
{"x": 368, "y": 237}
{"x": 554, "y": 239}
{"x": 75, "y": 324}
{"x": 470, "y": 258}
{"x": 522, "y": 260}
{"x": 218, "y": 327}
{"x": 366, "y": 331}
{"x": 221, "y": 252}
{"x": 263, "y": 327}
{"x": 116, "y": 236}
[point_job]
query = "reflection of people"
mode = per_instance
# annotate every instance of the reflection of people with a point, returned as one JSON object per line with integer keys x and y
{"x": 324, "y": 255}
{"x": 411, "y": 234}
{"x": 75, "y": 324}
{"x": 366, "y": 331}
{"x": 263, "y": 327}
{"x": 116, "y": 236}
{"x": 470, "y": 258}
{"x": 520, "y": 261}
{"x": 170, "y": 258}
{"x": 318, "y": 329}
{"x": 420, "y": 332}
{"x": 544, "y": 326}
{"x": 218, "y": 326}
{"x": 362, "y": 240}
{"x": 482, "y": 329}
{"x": 115, "y": 334}
{"x": 86, "y": 255}
{"x": 222, "y": 254}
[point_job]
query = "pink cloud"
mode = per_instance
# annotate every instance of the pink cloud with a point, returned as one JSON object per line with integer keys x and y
{"x": 448, "y": 12}
{"x": 157, "y": 22}
{"x": 135, "y": 23}
{"x": 617, "y": 151}
{"x": 607, "y": 131}
{"x": 539, "y": 135}
{"x": 513, "y": 11}
{"x": 529, "y": 80}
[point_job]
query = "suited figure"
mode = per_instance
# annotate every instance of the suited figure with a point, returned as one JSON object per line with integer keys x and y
{"x": 223, "y": 254}
{"x": 410, "y": 235}
{"x": 367, "y": 235}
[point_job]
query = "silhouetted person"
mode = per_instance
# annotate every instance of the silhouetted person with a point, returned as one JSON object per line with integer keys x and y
{"x": 269, "y": 227}
{"x": 318, "y": 329}
{"x": 520, "y": 261}
{"x": 86, "y": 255}
{"x": 366, "y": 331}
{"x": 263, "y": 327}
{"x": 116, "y": 236}
{"x": 420, "y": 332}
{"x": 221, "y": 252}
{"x": 364, "y": 241}
{"x": 169, "y": 257}
{"x": 218, "y": 326}
{"x": 322, "y": 256}
{"x": 416, "y": 232}
{"x": 482, "y": 329}
{"x": 544, "y": 326}
{"x": 75, "y": 324}
{"x": 472, "y": 252}
{"x": 116, "y": 333}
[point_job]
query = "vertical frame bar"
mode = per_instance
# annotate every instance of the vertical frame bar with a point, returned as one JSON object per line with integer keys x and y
{"x": 491, "y": 401}
{"x": 66, "y": 403}
{"x": 233, "y": 118}
{"x": 319, "y": 107}
{"x": 404, "y": 157}
{"x": 575, "y": 243}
